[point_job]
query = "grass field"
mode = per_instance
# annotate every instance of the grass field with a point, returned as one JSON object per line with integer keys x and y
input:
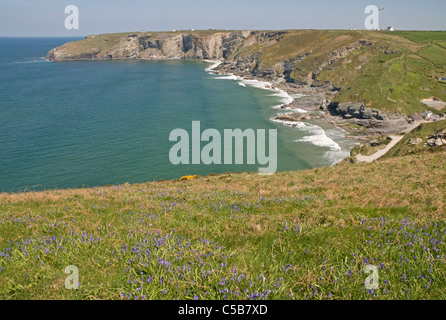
{"x": 296, "y": 235}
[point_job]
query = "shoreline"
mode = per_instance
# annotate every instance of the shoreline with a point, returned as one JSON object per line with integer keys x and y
{"x": 319, "y": 136}
{"x": 296, "y": 116}
{"x": 261, "y": 84}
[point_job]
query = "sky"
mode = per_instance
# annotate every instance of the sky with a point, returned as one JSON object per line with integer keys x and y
{"x": 46, "y": 18}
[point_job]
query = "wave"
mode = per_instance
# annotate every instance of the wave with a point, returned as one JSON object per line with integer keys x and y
{"x": 32, "y": 60}
{"x": 228, "y": 77}
{"x": 317, "y": 136}
{"x": 215, "y": 64}
{"x": 281, "y": 107}
{"x": 285, "y": 98}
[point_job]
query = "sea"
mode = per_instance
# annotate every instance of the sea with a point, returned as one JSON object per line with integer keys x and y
{"x": 95, "y": 123}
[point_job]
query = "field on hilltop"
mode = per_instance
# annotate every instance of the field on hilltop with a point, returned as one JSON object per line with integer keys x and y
{"x": 293, "y": 235}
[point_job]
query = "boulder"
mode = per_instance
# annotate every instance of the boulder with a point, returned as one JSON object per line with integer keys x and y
{"x": 356, "y": 110}
{"x": 431, "y": 142}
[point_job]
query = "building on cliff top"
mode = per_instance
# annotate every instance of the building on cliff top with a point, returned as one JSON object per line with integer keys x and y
{"x": 390, "y": 28}
{"x": 426, "y": 115}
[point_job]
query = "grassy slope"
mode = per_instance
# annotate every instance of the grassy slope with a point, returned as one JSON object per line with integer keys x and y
{"x": 398, "y": 80}
{"x": 394, "y": 74}
{"x": 98, "y": 43}
{"x": 299, "y": 235}
{"x": 424, "y": 132}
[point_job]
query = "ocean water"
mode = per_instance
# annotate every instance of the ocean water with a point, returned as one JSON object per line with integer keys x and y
{"x": 93, "y": 123}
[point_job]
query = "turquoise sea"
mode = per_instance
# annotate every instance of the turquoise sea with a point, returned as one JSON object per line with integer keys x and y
{"x": 93, "y": 123}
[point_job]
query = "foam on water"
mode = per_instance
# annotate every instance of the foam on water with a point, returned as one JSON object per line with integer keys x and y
{"x": 316, "y": 135}
{"x": 282, "y": 107}
{"x": 296, "y": 95}
{"x": 228, "y": 77}
{"x": 32, "y": 60}
{"x": 215, "y": 64}
{"x": 285, "y": 98}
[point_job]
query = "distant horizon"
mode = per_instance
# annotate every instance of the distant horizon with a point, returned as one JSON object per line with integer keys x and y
{"x": 229, "y": 30}
{"x": 46, "y": 18}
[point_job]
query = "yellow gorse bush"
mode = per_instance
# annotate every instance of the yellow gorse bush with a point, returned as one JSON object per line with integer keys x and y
{"x": 188, "y": 177}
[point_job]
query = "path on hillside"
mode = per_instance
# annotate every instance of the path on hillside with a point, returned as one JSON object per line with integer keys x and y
{"x": 395, "y": 140}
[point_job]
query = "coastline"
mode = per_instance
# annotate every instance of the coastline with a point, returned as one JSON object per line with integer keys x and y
{"x": 316, "y": 103}
{"x": 303, "y": 97}
{"x": 318, "y": 136}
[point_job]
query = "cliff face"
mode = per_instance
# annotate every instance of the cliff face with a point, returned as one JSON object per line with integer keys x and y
{"x": 157, "y": 46}
{"x": 354, "y": 66}
{"x": 267, "y": 55}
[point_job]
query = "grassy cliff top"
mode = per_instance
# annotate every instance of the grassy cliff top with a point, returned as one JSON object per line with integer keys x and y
{"x": 293, "y": 235}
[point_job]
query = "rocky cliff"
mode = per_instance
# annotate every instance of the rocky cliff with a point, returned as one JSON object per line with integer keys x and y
{"x": 359, "y": 72}
{"x": 156, "y": 46}
{"x": 267, "y": 55}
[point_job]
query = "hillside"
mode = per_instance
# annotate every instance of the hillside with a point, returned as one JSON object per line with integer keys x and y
{"x": 293, "y": 235}
{"x": 428, "y": 137}
{"x": 388, "y": 71}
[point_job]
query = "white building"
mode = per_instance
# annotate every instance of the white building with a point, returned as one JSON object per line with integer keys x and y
{"x": 390, "y": 28}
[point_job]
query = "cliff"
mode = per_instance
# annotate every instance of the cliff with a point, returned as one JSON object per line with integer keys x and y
{"x": 390, "y": 72}
{"x": 151, "y": 46}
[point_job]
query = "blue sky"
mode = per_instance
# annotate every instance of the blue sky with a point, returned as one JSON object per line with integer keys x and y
{"x": 46, "y": 17}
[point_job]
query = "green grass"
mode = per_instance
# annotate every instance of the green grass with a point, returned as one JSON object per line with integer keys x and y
{"x": 294, "y": 235}
{"x": 368, "y": 149}
{"x": 98, "y": 43}
{"x": 434, "y": 54}
{"x": 422, "y": 36}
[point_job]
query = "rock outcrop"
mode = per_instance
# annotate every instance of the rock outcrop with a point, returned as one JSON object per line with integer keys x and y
{"x": 155, "y": 47}
{"x": 355, "y": 110}
{"x": 437, "y": 140}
